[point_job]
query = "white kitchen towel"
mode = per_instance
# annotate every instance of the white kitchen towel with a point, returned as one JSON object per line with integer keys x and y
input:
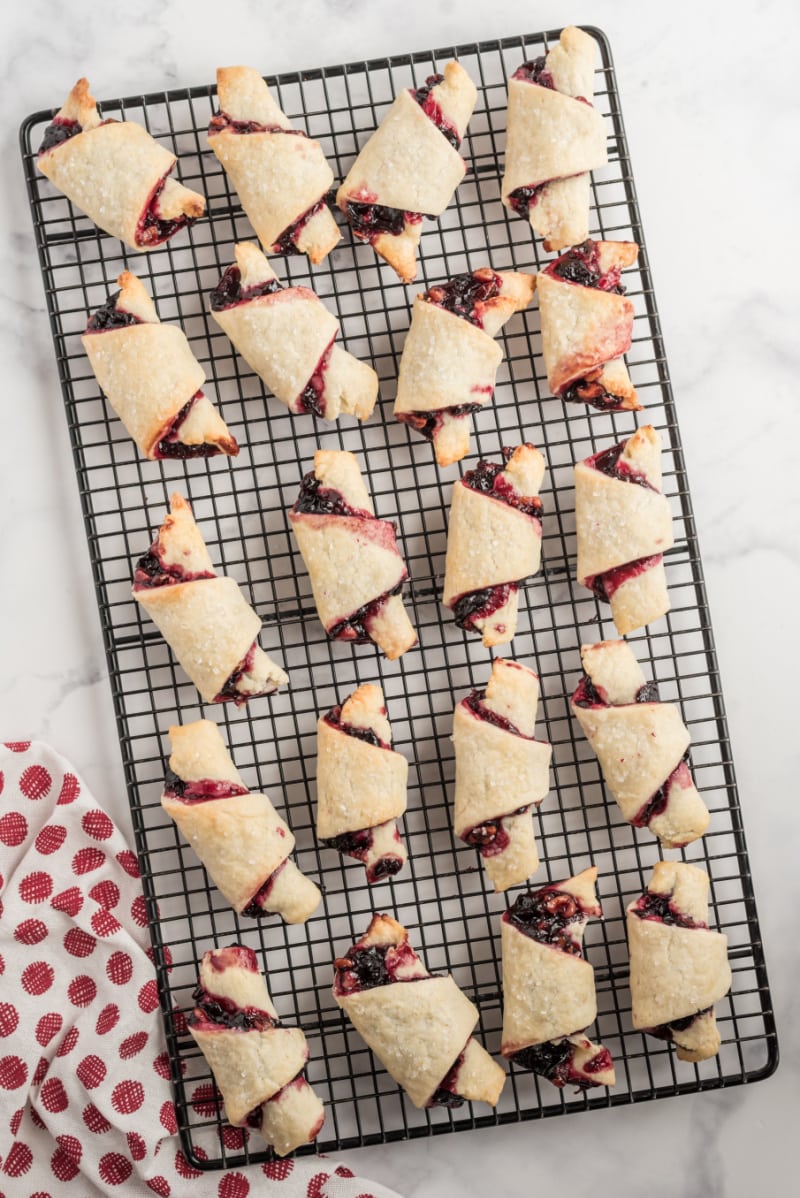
{"x": 85, "y": 1100}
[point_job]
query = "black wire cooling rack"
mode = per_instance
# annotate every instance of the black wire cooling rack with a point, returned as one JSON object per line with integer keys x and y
{"x": 241, "y": 506}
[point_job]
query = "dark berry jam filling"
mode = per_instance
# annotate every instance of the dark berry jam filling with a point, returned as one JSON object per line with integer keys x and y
{"x": 229, "y": 291}
{"x": 552, "y": 1060}
{"x": 153, "y": 229}
{"x": 312, "y": 397}
{"x": 657, "y": 803}
{"x": 370, "y": 221}
{"x": 356, "y": 627}
{"x": 317, "y": 500}
{"x": 587, "y": 694}
{"x": 446, "y": 1094}
{"x": 386, "y": 867}
{"x": 487, "y": 477}
{"x": 287, "y": 242}
{"x": 648, "y": 693}
{"x": 546, "y": 916}
{"x": 353, "y": 844}
{"x": 151, "y": 571}
{"x": 364, "y": 969}
{"x": 535, "y": 72}
{"x": 429, "y": 423}
{"x": 605, "y": 585}
{"x": 222, "y": 123}
{"x": 199, "y": 791}
{"x": 170, "y": 446}
{"x": 256, "y": 907}
{"x": 609, "y": 462}
{"x": 666, "y": 1031}
{"x": 230, "y": 691}
{"x": 475, "y": 702}
{"x": 223, "y": 1012}
{"x": 479, "y": 605}
{"x": 593, "y": 392}
{"x": 463, "y": 293}
{"x": 57, "y": 133}
{"x": 581, "y": 265}
{"x": 523, "y": 198}
{"x": 659, "y": 907}
{"x": 424, "y": 97}
{"x": 334, "y": 718}
{"x": 111, "y": 317}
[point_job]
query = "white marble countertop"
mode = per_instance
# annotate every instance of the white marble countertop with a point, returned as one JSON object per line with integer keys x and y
{"x": 709, "y": 100}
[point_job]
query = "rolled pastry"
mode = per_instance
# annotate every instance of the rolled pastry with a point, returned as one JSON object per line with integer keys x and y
{"x": 548, "y": 987}
{"x": 679, "y": 967}
{"x": 555, "y": 137}
{"x": 237, "y": 834}
{"x": 361, "y": 784}
{"x": 450, "y": 357}
{"x": 204, "y": 617}
{"x": 410, "y": 167}
{"x": 502, "y": 772}
{"x": 152, "y": 379}
{"x": 352, "y": 558}
{"x": 587, "y": 325}
{"x": 116, "y": 173}
{"x": 494, "y": 542}
{"x": 257, "y": 1062}
{"x": 642, "y": 745}
{"x": 419, "y": 1025}
{"x": 624, "y": 526}
{"x": 279, "y": 173}
{"x": 287, "y": 336}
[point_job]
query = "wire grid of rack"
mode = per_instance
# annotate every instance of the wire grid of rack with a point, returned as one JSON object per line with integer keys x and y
{"x": 241, "y": 507}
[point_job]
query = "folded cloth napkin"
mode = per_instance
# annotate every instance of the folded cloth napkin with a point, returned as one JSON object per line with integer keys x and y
{"x": 85, "y": 1100}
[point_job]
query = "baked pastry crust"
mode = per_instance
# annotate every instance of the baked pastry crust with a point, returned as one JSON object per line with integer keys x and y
{"x": 352, "y": 558}
{"x": 410, "y": 167}
{"x": 624, "y": 526}
{"x": 237, "y": 834}
{"x": 554, "y": 138}
{"x": 257, "y": 1062}
{"x": 494, "y": 540}
{"x": 587, "y": 325}
{"x": 679, "y": 967}
{"x": 641, "y": 744}
{"x": 361, "y": 783}
{"x": 548, "y": 987}
{"x": 203, "y": 617}
{"x": 502, "y": 772}
{"x": 287, "y": 336}
{"x": 450, "y": 358}
{"x": 280, "y": 175}
{"x": 117, "y": 174}
{"x": 418, "y": 1025}
{"x": 152, "y": 379}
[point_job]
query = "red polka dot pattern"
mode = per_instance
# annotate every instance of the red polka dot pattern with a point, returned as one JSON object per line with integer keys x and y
{"x": 132, "y": 1045}
{"x": 13, "y": 828}
{"x": 68, "y": 1043}
{"x": 107, "y": 1019}
{"x": 119, "y": 969}
{"x": 166, "y": 1117}
{"x": 50, "y": 839}
{"x": 18, "y": 746}
{"x": 35, "y": 782}
{"x": 105, "y": 893}
{"x": 115, "y": 1169}
{"x": 277, "y": 1170}
{"x": 69, "y": 901}
{"x": 37, "y": 978}
{"x": 161, "y": 1065}
{"x": 82, "y": 990}
{"x": 53, "y": 1096}
{"x": 139, "y": 911}
{"x": 70, "y": 789}
{"x": 95, "y": 1121}
{"x": 87, "y": 860}
{"x": 63, "y": 1165}
{"x": 40, "y": 1072}
{"x": 13, "y": 1073}
{"x": 36, "y": 887}
{"x": 79, "y": 943}
{"x": 136, "y": 1146}
{"x": 129, "y": 863}
{"x": 48, "y": 1026}
{"x": 159, "y": 1185}
{"x": 97, "y": 825}
{"x": 15, "y": 1120}
{"x": 30, "y": 931}
{"x": 91, "y": 1071}
{"x": 235, "y": 1138}
{"x": 234, "y": 1185}
{"x": 18, "y": 1161}
{"x": 204, "y": 1101}
{"x": 127, "y": 1097}
{"x": 105, "y": 924}
{"x": 148, "y": 997}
